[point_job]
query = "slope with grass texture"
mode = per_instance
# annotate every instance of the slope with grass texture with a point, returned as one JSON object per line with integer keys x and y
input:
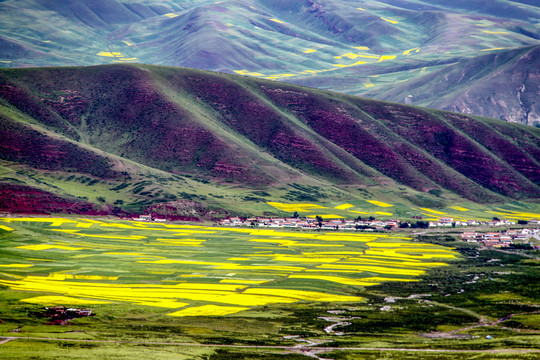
{"x": 108, "y": 121}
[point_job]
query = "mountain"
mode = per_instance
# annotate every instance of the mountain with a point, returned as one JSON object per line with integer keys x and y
{"x": 380, "y": 49}
{"x": 504, "y": 85}
{"x": 124, "y": 137}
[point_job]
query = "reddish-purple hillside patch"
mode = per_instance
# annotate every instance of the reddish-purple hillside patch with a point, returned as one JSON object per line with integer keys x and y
{"x": 28, "y": 200}
{"x": 333, "y": 122}
{"x": 498, "y": 145}
{"x": 24, "y": 145}
{"x": 450, "y": 146}
{"x": 248, "y": 115}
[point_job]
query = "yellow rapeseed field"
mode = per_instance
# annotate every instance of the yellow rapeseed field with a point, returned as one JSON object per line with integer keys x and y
{"x": 295, "y": 207}
{"x": 458, "y": 208}
{"x": 235, "y": 277}
{"x": 344, "y": 206}
{"x": 379, "y": 203}
{"x": 61, "y": 300}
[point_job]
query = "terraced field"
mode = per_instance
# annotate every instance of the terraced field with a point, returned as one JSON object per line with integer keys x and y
{"x": 200, "y": 270}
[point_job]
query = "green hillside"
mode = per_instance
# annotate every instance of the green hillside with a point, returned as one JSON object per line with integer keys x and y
{"x": 122, "y": 138}
{"x": 380, "y": 49}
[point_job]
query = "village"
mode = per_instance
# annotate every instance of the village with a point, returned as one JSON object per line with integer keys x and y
{"x": 502, "y": 239}
{"x": 511, "y": 238}
{"x": 369, "y": 224}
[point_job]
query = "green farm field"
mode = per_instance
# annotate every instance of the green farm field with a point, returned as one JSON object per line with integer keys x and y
{"x": 196, "y": 291}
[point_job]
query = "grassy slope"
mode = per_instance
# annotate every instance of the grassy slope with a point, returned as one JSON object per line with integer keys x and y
{"x": 487, "y": 85}
{"x": 252, "y": 134}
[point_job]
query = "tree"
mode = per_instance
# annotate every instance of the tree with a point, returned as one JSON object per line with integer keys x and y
{"x": 371, "y": 218}
{"x": 295, "y": 215}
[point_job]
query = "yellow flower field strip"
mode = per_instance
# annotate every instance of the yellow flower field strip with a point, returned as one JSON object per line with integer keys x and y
{"x": 433, "y": 211}
{"x": 333, "y": 253}
{"x": 176, "y": 242}
{"x": 304, "y": 259}
{"x": 240, "y": 281}
{"x": 61, "y": 300}
{"x": 247, "y": 72}
{"x": 16, "y": 265}
{"x": 134, "y": 254}
{"x": 6, "y": 228}
{"x": 92, "y": 221}
{"x": 379, "y": 203}
{"x": 239, "y": 259}
{"x": 335, "y": 279}
{"x": 407, "y": 52}
{"x": 508, "y": 213}
{"x": 183, "y": 240}
{"x": 350, "y": 65}
{"x": 327, "y": 216}
{"x": 395, "y": 263}
{"x": 225, "y": 266}
{"x": 303, "y": 295}
{"x": 208, "y": 310}
{"x": 392, "y": 263}
{"x": 291, "y": 243}
{"x": 404, "y": 245}
{"x": 162, "y": 295}
{"x": 402, "y": 255}
{"x": 84, "y": 225}
{"x": 125, "y": 237}
{"x": 390, "y": 21}
{"x": 380, "y": 279}
{"x": 53, "y": 221}
{"x": 36, "y": 259}
{"x": 458, "y": 208}
{"x": 386, "y": 57}
{"x": 371, "y": 268}
{"x": 295, "y": 207}
{"x": 179, "y": 231}
{"x": 48, "y": 247}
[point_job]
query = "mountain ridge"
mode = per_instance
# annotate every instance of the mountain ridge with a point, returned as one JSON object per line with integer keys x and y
{"x": 379, "y": 50}
{"x": 231, "y": 130}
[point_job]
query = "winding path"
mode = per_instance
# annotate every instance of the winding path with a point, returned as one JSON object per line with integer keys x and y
{"x": 282, "y": 347}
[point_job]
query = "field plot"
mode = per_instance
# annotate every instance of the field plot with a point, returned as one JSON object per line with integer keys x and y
{"x": 189, "y": 270}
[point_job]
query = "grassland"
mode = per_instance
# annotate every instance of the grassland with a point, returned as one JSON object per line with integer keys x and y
{"x": 157, "y": 286}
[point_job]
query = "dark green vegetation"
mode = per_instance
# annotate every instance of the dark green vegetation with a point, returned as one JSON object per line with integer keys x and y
{"x": 476, "y": 52}
{"x": 450, "y": 310}
{"x": 125, "y": 137}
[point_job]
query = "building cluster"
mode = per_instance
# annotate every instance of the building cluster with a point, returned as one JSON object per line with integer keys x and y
{"x": 59, "y": 315}
{"x": 312, "y": 223}
{"x": 449, "y": 222}
{"x": 506, "y": 238}
{"x": 366, "y": 224}
{"x": 149, "y": 218}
